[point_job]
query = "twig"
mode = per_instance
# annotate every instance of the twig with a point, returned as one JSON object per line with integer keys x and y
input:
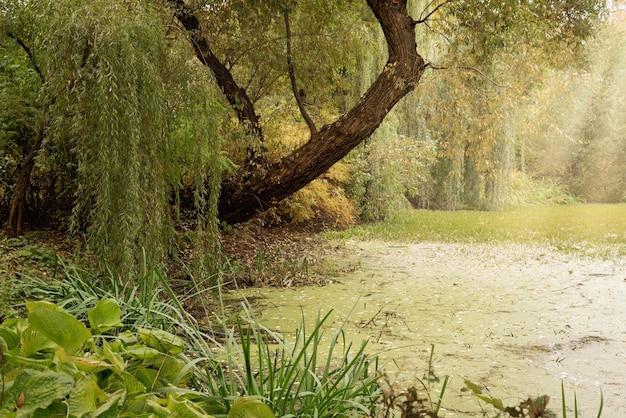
{"x": 432, "y": 12}
{"x": 30, "y": 54}
{"x": 474, "y": 69}
{"x": 373, "y": 318}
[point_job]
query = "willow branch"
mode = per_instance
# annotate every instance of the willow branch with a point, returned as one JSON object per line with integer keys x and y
{"x": 292, "y": 76}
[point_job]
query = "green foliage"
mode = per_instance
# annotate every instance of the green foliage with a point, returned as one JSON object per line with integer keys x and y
{"x": 127, "y": 117}
{"x": 527, "y": 191}
{"x": 490, "y": 58}
{"x": 20, "y": 112}
{"x": 323, "y": 201}
{"x": 249, "y": 408}
{"x": 296, "y": 378}
{"x": 52, "y": 364}
{"x": 136, "y": 341}
{"x": 559, "y": 28}
{"x": 574, "y": 139}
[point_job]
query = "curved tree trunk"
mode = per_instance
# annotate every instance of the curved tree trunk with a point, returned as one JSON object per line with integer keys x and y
{"x": 263, "y": 187}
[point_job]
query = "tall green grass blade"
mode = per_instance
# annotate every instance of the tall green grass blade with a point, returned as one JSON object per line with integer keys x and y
{"x": 441, "y": 394}
{"x": 563, "y": 406}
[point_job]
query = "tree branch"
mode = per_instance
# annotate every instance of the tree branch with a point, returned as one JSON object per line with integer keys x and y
{"x": 404, "y": 68}
{"x": 29, "y": 53}
{"x": 423, "y": 18}
{"x": 292, "y": 76}
{"x": 244, "y": 196}
{"x": 472, "y": 69}
{"x": 236, "y": 95}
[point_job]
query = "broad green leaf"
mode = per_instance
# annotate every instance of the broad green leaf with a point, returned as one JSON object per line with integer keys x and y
{"x": 116, "y": 360}
{"x": 142, "y": 351}
{"x": 34, "y": 341}
{"x": 161, "y": 340}
{"x": 11, "y": 337}
{"x": 91, "y": 364}
{"x": 211, "y": 407}
{"x": 28, "y": 361}
{"x": 104, "y": 316}
{"x": 33, "y": 390}
{"x": 60, "y": 327}
{"x": 250, "y": 408}
{"x": 109, "y": 409}
{"x": 131, "y": 384}
{"x": 148, "y": 377}
{"x": 184, "y": 408}
{"x": 64, "y": 363}
{"x": 85, "y": 397}
{"x": 168, "y": 368}
{"x": 31, "y": 305}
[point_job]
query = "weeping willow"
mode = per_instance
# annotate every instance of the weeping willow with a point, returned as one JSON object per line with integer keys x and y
{"x": 122, "y": 104}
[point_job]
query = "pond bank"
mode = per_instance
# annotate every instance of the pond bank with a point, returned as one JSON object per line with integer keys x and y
{"x": 515, "y": 319}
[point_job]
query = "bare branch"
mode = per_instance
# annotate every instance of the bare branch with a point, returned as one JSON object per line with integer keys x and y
{"x": 29, "y": 53}
{"x": 235, "y": 94}
{"x": 292, "y": 76}
{"x": 423, "y": 18}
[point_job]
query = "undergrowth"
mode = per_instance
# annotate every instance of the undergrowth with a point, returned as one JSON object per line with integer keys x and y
{"x": 206, "y": 368}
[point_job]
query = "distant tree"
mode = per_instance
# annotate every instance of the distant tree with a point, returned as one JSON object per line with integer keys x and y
{"x": 596, "y": 170}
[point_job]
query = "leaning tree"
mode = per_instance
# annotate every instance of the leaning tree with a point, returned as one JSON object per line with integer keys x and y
{"x": 260, "y": 184}
{"x": 112, "y": 95}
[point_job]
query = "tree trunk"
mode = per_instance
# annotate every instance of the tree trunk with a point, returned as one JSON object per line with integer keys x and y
{"x": 18, "y": 206}
{"x": 245, "y": 196}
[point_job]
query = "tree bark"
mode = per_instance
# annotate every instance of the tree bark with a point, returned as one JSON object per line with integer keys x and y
{"x": 236, "y": 95}
{"x": 18, "y": 206}
{"x": 244, "y": 197}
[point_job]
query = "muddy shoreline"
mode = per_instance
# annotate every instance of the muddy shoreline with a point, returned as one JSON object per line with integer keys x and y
{"x": 517, "y": 320}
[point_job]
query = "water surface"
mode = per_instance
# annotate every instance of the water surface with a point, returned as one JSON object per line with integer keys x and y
{"x": 516, "y": 320}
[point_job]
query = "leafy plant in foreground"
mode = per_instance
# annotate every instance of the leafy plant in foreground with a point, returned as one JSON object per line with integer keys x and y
{"x": 297, "y": 378}
{"x": 52, "y": 364}
{"x": 228, "y": 358}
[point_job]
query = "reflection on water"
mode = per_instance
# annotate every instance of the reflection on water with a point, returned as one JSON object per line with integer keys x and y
{"x": 516, "y": 320}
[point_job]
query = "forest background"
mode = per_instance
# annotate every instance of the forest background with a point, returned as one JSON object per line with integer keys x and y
{"x": 148, "y": 129}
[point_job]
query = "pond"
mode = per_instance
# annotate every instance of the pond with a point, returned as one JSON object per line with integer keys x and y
{"x": 516, "y": 320}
